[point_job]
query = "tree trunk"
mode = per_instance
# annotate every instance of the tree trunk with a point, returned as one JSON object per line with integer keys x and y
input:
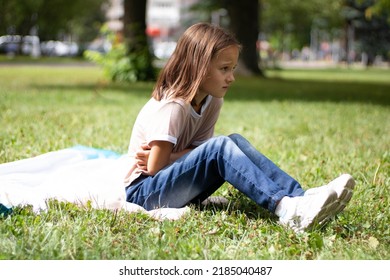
{"x": 244, "y": 22}
{"x": 134, "y": 31}
{"x": 135, "y": 21}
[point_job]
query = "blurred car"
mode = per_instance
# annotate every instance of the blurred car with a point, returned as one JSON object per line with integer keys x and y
{"x": 31, "y": 46}
{"x": 17, "y": 44}
{"x": 10, "y": 44}
{"x": 59, "y": 48}
{"x": 164, "y": 50}
{"x": 101, "y": 44}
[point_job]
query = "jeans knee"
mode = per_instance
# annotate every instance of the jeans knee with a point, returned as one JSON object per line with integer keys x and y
{"x": 220, "y": 142}
{"x": 236, "y": 137}
{"x": 221, "y": 139}
{"x": 226, "y": 142}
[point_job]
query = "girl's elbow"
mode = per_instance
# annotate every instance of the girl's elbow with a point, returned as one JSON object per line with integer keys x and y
{"x": 153, "y": 170}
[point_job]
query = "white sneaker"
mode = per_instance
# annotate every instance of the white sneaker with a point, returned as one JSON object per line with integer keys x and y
{"x": 304, "y": 212}
{"x": 342, "y": 185}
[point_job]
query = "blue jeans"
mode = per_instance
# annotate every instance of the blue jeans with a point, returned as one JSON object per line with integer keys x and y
{"x": 198, "y": 174}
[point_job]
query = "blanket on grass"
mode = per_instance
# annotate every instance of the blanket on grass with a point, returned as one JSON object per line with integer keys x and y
{"x": 79, "y": 175}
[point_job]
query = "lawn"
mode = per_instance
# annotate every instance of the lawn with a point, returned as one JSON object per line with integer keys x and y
{"x": 315, "y": 124}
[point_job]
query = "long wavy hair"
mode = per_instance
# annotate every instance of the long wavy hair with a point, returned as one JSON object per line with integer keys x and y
{"x": 188, "y": 65}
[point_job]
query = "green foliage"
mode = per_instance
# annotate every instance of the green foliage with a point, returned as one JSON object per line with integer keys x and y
{"x": 118, "y": 64}
{"x": 79, "y": 18}
{"x": 315, "y": 124}
{"x": 371, "y": 22}
{"x": 288, "y": 24}
{"x": 380, "y": 7}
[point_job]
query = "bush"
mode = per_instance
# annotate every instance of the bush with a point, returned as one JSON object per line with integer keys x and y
{"x": 121, "y": 66}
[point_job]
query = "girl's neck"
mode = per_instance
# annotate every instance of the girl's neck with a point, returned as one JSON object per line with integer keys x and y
{"x": 198, "y": 102}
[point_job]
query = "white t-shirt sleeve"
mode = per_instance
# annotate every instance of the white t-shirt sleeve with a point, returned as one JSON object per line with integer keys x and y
{"x": 166, "y": 123}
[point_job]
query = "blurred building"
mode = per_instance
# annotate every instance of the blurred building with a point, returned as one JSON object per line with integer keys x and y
{"x": 165, "y": 21}
{"x": 114, "y": 15}
{"x": 163, "y": 17}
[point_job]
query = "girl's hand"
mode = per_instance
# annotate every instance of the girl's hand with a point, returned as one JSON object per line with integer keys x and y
{"x": 142, "y": 157}
{"x": 158, "y": 158}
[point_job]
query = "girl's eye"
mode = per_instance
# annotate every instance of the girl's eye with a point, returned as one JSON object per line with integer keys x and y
{"x": 228, "y": 69}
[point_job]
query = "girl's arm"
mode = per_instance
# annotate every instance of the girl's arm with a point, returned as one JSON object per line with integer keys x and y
{"x": 152, "y": 158}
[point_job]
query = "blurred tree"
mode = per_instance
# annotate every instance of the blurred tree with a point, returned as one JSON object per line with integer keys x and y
{"x": 18, "y": 16}
{"x": 129, "y": 59}
{"x": 380, "y": 6}
{"x": 244, "y": 22}
{"x": 136, "y": 39}
{"x": 51, "y": 19}
{"x": 290, "y": 24}
{"x": 370, "y": 24}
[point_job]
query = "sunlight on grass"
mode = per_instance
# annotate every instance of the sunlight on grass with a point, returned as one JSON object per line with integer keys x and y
{"x": 370, "y": 75}
{"x": 315, "y": 124}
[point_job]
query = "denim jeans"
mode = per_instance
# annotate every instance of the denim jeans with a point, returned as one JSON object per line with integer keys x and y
{"x": 198, "y": 174}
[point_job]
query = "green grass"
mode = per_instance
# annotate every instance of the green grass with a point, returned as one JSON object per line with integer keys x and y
{"x": 315, "y": 124}
{"x": 23, "y": 59}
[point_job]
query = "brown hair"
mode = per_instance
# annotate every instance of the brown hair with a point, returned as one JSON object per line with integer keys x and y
{"x": 188, "y": 65}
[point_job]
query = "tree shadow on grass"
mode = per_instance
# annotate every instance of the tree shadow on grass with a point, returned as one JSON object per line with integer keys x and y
{"x": 276, "y": 89}
{"x": 139, "y": 88}
{"x": 269, "y": 89}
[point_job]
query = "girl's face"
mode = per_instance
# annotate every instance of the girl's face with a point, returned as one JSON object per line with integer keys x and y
{"x": 220, "y": 73}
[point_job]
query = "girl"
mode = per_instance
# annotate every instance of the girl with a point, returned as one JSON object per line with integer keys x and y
{"x": 177, "y": 161}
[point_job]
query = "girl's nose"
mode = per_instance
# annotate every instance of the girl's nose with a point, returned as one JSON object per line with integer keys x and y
{"x": 230, "y": 78}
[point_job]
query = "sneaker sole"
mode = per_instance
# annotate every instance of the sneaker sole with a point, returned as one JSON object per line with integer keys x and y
{"x": 343, "y": 199}
{"x": 347, "y": 192}
{"x": 329, "y": 208}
